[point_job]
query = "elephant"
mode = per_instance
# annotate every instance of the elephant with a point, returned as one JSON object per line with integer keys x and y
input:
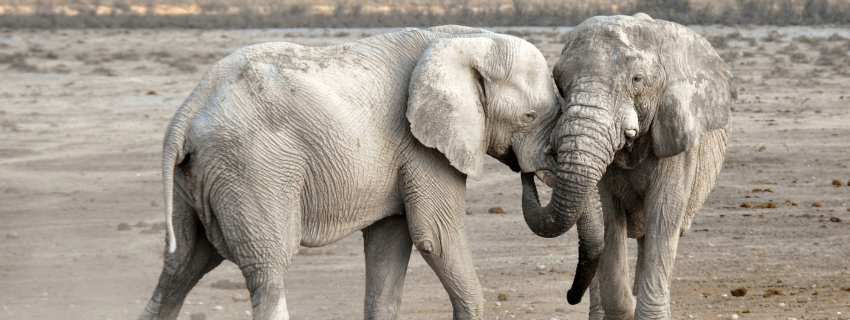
{"x": 639, "y": 144}
{"x": 282, "y": 145}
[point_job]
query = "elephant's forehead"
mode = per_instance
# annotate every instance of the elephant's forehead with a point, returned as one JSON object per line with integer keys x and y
{"x": 626, "y": 29}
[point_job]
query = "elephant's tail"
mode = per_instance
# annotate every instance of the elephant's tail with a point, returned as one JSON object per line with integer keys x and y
{"x": 172, "y": 154}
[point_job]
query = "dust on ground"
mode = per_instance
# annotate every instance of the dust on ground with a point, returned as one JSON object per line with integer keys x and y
{"x": 84, "y": 113}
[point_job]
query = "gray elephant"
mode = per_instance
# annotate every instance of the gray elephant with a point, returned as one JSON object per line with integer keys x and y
{"x": 282, "y": 145}
{"x": 640, "y": 143}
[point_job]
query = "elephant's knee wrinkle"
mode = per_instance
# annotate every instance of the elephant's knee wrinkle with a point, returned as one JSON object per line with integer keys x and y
{"x": 427, "y": 247}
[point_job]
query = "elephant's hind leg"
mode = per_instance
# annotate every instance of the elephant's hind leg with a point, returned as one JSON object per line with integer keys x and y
{"x": 262, "y": 233}
{"x": 195, "y": 256}
{"x": 387, "y": 245}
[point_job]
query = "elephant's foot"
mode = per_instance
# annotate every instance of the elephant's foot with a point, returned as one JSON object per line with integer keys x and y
{"x": 623, "y": 309}
{"x": 151, "y": 312}
{"x": 596, "y": 314}
{"x": 659, "y": 313}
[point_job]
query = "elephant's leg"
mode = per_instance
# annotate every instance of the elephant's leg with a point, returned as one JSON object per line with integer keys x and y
{"x": 263, "y": 236}
{"x": 659, "y": 255}
{"x": 665, "y": 208}
{"x": 613, "y": 275}
{"x": 387, "y": 246}
{"x": 453, "y": 265}
{"x": 194, "y": 257}
{"x": 639, "y": 264}
{"x": 434, "y": 198}
{"x": 596, "y": 311}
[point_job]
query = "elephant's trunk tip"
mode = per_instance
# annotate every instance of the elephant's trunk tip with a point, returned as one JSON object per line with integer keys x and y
{"x": 574, "y": 296}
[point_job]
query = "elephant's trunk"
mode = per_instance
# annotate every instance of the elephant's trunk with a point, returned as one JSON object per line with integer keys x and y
{"x": 582, "y": 159}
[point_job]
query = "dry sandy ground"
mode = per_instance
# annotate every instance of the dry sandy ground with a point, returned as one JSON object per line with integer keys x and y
{"x": 84, "y": 112}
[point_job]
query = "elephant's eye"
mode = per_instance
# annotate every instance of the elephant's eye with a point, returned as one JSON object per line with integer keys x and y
{"x": 637, "y": 79}
{"x": 529, "y": 116}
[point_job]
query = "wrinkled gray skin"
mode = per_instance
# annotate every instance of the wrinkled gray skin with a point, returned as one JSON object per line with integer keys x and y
{"x": 639, "y": 144}
{"x": 282, "y": 145}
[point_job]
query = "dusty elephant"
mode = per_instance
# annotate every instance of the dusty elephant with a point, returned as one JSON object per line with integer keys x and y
{"x": 281, "y": 145}
{"x": 640, "y": 143}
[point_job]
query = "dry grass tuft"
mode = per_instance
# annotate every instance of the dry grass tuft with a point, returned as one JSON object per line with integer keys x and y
{"x": 773, "y": 36}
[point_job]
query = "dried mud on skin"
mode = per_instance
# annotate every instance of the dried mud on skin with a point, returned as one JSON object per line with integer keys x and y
{"x": 85, "y": 111}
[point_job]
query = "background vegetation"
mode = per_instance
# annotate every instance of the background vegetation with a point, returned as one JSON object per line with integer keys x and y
{"x": 398, "y": 13}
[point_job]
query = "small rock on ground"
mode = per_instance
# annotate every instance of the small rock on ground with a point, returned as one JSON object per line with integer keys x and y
{"x": 740, "y": 292}
{"x": 142, "y": 224}
{"x": 198, "y": 316}
{"x": 241, "y": 296}
{"x": 497, "y": 210}
{"x": 123, "y": 226}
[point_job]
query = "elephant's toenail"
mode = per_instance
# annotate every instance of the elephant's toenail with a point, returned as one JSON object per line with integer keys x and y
{"x": 426, "y": 247}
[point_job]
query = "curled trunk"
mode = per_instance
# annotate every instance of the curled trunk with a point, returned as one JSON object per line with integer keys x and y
{"x": 575, "y": 199}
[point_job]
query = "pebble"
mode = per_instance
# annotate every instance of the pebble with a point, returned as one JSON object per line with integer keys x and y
{"x": 497, "y": 210}
{"x": 218, "y": 308}
{"x": 735, "y": 316}
{"x": 240, "y": 296}
{"x": 11, "y": 235}
{"x": 782, "y": 304}
{"x": 143, "y": 224}
{"x": 123, "y": 226}
{"x": 498, "y": 304}
{"x": 503, "y": 297}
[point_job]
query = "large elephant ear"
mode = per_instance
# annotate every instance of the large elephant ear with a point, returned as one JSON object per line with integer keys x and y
{"x": 698, "y": 93}
{"x": 445, "y": 106}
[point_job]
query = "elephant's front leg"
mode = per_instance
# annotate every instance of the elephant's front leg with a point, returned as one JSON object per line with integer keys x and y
{"x": 387, "y": 245}
{"x": 664, "y": 212}
{"x": 434, "y": 201}
{"x": 613, "y": 275}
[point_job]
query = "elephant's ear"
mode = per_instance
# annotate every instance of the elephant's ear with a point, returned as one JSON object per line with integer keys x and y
{"x": 698, "y": 93}
{"x": 445, "y": 106}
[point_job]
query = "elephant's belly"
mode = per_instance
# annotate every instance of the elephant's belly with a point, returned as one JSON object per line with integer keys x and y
{"x": 334, "y": 213}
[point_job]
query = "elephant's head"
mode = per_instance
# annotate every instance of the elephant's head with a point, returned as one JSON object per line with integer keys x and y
{"x": 484, "y": 93}
{"x": 634, "y": 88}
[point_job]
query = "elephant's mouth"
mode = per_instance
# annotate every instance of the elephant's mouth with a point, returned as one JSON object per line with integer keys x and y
{"x": 546, "y": 176}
